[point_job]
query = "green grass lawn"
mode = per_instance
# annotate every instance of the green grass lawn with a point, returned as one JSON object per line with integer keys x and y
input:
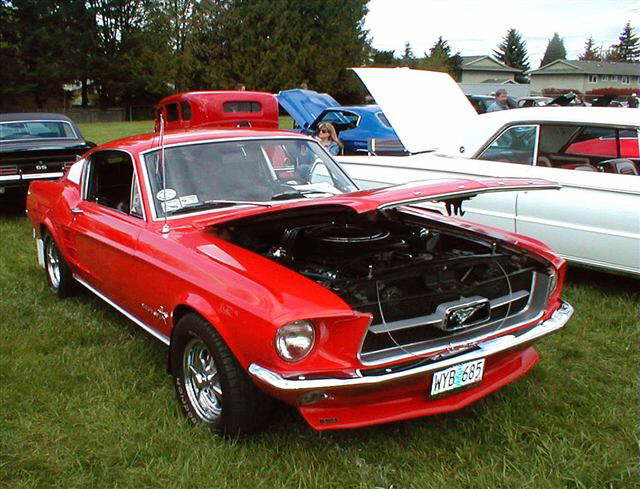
{"x": 86, "y": 403}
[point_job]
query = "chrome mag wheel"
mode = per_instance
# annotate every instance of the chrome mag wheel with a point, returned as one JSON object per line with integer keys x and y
{"x": 202, "y": 380}
{"x": 53, "y": 263}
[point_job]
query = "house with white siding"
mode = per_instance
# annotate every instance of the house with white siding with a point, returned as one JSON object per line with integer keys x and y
{"x": 585, "y": 76}
{"x": 486, "y": 69}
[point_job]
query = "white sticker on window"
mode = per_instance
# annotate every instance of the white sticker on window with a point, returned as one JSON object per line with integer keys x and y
{"x": 189, "y": 200}
{"x": 171, "y": 205}
{"x": 166, "y": 194}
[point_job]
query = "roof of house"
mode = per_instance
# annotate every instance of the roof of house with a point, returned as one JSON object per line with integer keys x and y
{"x": 469, "y": 64}
{"x": 588, "y": 67}
{"x": 501, "y": 81}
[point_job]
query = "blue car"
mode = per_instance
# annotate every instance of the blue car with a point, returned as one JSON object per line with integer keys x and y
{"x": 356, "y": 125}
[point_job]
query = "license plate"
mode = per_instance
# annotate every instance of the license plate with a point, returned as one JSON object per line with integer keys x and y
{"x": 457, "y": 376}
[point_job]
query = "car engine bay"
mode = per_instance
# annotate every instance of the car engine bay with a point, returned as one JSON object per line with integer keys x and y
{"x": 390, "y": 264}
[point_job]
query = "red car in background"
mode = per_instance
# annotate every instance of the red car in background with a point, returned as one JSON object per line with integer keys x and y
{"x": 222, "y": 108}
{"x": 626, "y": 146}
{"x": 255, "y": 258}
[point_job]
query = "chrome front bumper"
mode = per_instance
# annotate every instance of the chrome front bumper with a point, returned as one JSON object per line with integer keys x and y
{"x": 486, "y": 348}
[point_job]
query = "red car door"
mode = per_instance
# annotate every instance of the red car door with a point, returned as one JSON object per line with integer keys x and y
{"x": 105, "y": 244}
{"x": 104, "y": 229}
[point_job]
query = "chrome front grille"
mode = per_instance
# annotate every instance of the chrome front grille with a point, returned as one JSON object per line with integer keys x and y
{"x": 391, "y": 340}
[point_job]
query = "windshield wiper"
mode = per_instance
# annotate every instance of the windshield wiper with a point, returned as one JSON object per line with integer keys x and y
{"x": 215, "y": 204}
{"x": 296, "y": 194}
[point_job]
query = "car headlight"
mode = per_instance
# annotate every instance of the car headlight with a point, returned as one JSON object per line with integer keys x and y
{"x": 295, "y": 340}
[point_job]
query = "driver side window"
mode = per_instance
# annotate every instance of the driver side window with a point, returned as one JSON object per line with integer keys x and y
{"x": 110, "y": 182}
{"x": 516, "y": 144}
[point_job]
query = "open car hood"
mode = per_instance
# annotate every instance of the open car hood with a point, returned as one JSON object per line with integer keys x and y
{"x": 451, "y": 192}
{"x": 423, "y": 107}
{"x": 304, "y": 106}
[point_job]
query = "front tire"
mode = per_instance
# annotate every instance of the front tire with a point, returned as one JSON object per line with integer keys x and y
{"x": 211, "y": 385}
{"x": 58, "y": 274}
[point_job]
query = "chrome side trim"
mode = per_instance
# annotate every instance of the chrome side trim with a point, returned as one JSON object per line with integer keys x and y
{"x": 454, "y": 174}
{"x": 6, "y": 178}
{"x": 276, "y": 381}
{"x": 147, "y": 328}
{"x": 34, "y": 176}
{"x": 470, "y": 193}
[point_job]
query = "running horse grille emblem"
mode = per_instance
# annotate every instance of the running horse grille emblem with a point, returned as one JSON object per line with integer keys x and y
{"x": 464, "y": 313}
{"x": 461, "y": 315}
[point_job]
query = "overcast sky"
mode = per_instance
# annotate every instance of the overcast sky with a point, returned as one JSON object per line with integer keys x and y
{"x": 477, "y": 26}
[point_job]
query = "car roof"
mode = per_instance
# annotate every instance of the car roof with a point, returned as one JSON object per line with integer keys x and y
{"x": 580, "y": 115}
{"x": 241, "y": 95}
{"x": 32, "y": 116}
{"x": 143, "y": 142}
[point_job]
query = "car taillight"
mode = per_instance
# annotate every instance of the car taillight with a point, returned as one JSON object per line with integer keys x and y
{"x": 8, "y": 170}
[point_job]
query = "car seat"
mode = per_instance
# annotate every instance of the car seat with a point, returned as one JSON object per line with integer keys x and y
{"x": 543, "y": 161}
{"x": 622, "y": 166}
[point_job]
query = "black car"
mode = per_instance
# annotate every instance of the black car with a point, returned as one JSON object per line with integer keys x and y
{"x": 36, "y": 146}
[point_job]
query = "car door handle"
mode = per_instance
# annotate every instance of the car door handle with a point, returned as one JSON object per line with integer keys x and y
{"x": 77, "y": 210}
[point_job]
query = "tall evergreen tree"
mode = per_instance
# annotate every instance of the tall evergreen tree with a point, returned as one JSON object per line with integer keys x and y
{"x": 408, "y": 58}
{"x": 555, "y": 50}
{"x": 628, "y": 49}
{"x": 512, "y": 51}
{"x": 121, "y": 38}
{"x": 382, "y": 58}
{"x": 135, "y": 51}
{"x": 440, "y": 58}
{"x": 34, "y": 30}
{"x": 591, "y": 52}
{"x": 277, "y": 44}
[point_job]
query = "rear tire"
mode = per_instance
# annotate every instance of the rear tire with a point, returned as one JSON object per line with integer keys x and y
{"x": 58, "y": 274}
{"x": 211, "y": 385}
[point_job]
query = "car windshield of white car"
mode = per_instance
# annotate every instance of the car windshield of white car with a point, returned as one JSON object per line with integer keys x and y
{"x": 241, "y": 172}
{"x": 12, "y": 131}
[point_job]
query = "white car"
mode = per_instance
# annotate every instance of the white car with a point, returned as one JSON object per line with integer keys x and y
{"x": 594, "y": 220}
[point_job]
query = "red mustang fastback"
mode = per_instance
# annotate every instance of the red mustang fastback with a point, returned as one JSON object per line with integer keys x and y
{"x": 255, "y": 258}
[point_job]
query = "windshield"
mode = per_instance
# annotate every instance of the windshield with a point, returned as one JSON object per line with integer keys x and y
{"x": 12, "y": 131}
{"x": 208, "y": 175}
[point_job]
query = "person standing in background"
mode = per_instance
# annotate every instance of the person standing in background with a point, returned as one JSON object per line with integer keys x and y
{"x": 329, "y": 139}
{"x": 501, "y": 102}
